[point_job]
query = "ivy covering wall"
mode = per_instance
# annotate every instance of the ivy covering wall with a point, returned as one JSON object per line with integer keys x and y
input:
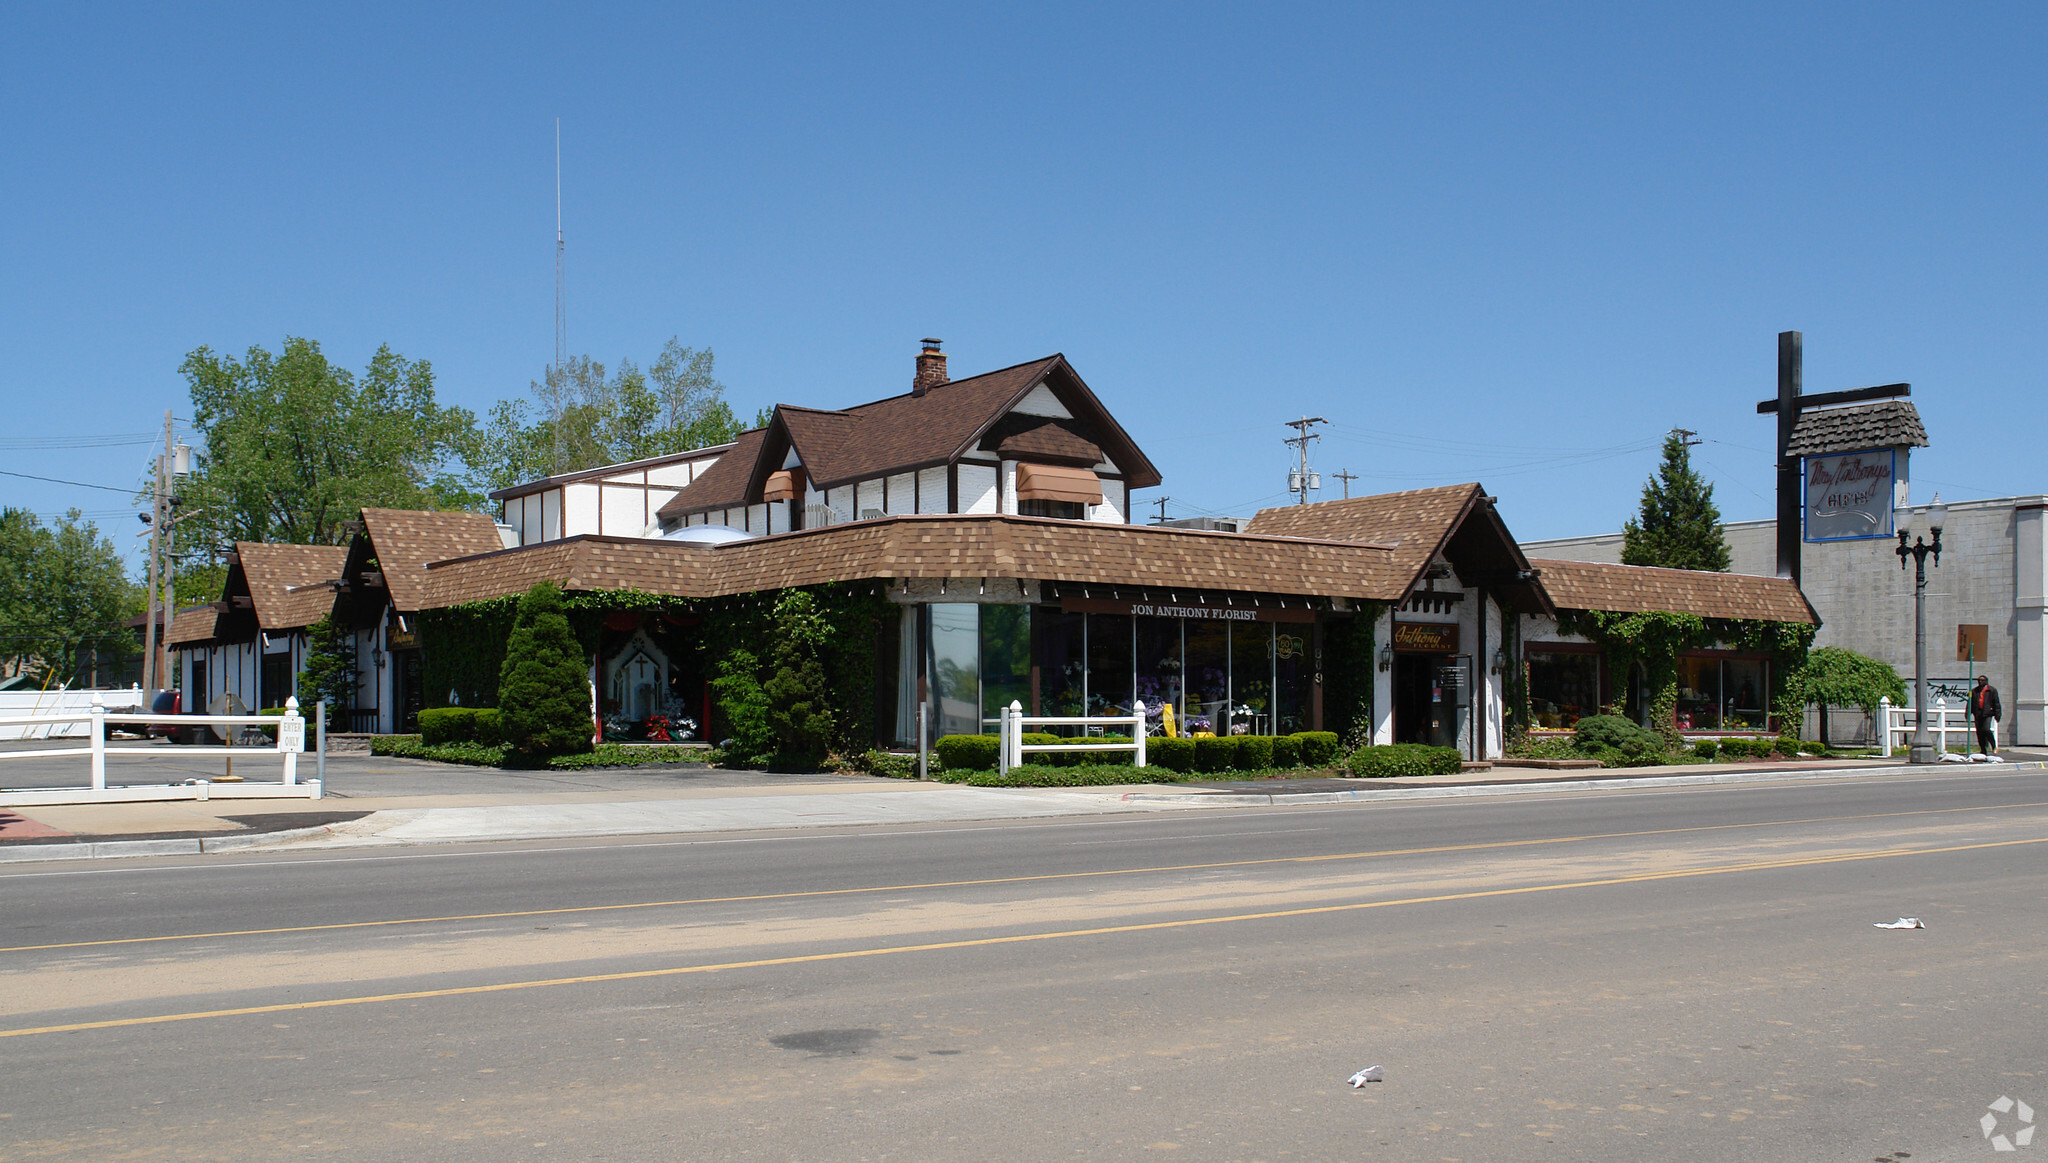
{"x": 1656, "y": 638}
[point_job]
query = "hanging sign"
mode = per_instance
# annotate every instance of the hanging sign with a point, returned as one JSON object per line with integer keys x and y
{"x": 1849, "y": 495}
{"x": 1426, "y": 637}
{"x": 1191, "y": 613}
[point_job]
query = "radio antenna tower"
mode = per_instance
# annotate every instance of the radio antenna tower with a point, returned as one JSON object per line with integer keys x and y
{"x": 556, "y": 375}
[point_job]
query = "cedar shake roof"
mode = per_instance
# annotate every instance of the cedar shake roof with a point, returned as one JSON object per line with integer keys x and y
{"x": 934, "y": 546}
{"x": 1885, "y": 424}
{"x": 902, "y": 433}
{"x": 1457, "y": 521}
{"x": 404, "y": 541}
{"x": 1631, "y": 589}
{"x": 285, "y": 581}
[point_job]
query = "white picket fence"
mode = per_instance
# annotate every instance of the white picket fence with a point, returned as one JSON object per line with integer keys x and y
{"x": 1942, "y": 721}
{"x": 1010, "y": 746}
{"x": 59, "y": 702}
{"x": 290, "y": 744}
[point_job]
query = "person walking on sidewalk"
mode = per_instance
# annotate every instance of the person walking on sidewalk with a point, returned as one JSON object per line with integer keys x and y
{"x": 1984, "y": 711}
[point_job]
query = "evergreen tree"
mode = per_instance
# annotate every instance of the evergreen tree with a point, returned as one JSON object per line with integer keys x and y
{"x": 799, "y": 699}
{"x": 1679, "y": 526}
{"x": 330, "y": 671}
{"x": 544, "y": 686}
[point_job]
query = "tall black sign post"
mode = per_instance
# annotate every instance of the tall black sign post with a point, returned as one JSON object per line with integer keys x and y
{"x": 1789, "y": 405}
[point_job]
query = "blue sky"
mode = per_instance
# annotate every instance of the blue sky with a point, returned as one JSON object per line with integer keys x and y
{"x": 1512, "y": 243}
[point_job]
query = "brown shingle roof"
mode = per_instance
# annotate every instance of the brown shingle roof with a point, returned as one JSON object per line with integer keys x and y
{"x": 1881, "y": 425}
{"x": 948, "y": 546}
{"x": 1630, "y": 589}
{"x": 284, "y": 581}
{"x": 1050, "y": 440}
{"x": 724, "y": 484}
{"x": 194, "y": 625}
{"x": 898, "y": 434}
{"x": 405, "y": 541}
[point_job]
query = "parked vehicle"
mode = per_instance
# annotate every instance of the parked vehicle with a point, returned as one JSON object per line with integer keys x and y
{"x": 173, "y": 703}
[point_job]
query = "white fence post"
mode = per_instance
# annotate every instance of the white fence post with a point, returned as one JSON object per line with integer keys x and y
{"x": 98, "y": 724}
{"x": 320, "y": 740}
{"x": 1138, "y": 730}
{"x": 1003, "y": 741}
{"x": 1884, "y": 723}
{"x": 923, "y": 762}
{"x": 1014, "y": 717}
{"x": 291, "y": 739}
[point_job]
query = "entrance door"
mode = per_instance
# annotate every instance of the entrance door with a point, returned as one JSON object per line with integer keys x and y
{"x": 408, "y": 676}
{"x": 1432, "y": 699}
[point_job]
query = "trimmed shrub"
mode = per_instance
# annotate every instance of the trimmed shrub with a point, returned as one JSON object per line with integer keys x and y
{"x": 1813, "y": 747}
{"x": 1786, "y": 745}
{"x": 968, "y": 752}
{"x": 1706, "y": 748}
{"x": 1286, "y": 751}
{"x": 1254, "y": 752}
{"x": 743, "y": 709}
{"x": 1318, "y": 748}
{"x": 888, "y": 763}
{"x": 1214, "y": 753}
{"x": 799, "y": 697}
{"x": 1086, "y": 775}
{"x": 461, "y": 725}
{"x": 1171, "y": 754}
{"x": 1405, "y": 759}
{"x": 1046, "y": 758}
{"x": 1597, "y": 732}
{"x": 544, "y": 687}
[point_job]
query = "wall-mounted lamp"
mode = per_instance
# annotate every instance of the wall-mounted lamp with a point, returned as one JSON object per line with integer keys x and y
{"x": 1387, "y": 657}
{"x": 1500, "y": 660}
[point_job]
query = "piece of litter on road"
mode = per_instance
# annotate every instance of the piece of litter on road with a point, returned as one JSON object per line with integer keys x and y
{"x": 1369, "y": 1074}
{"x": 1901, "y": 923}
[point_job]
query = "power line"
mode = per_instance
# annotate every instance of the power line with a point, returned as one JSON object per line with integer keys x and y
{"x": 58, "y": 481}
{"x": 119, "y": 440}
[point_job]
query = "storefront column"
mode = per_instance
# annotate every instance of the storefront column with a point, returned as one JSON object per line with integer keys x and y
{"x": 1493, "y": 619}
{"x": 1382, "y": 680}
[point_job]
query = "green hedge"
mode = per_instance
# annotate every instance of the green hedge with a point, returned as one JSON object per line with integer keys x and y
{"x": 887, "y": 763}
{"x": 1405, "y": 759}
{"x": 1706, "y": 748}
{"x": 461, "y": 725}
{"x": 1171, "y": 754}
{"x": 1086, "y": 775}
{"x": 500, "y": 755}
{"x": 972, "y": 752}
{"x": 1286, "y": 752}
{"x": 1214, "y": 753}
{"x": 1318, "y": 748}
{"x": 1254, "y": 752}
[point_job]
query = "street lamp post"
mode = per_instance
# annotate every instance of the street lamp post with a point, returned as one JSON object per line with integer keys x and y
{"x": 1937, "y": 516}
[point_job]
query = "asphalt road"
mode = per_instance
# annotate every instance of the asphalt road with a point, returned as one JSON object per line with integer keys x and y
{"x": 1618, "y": 975}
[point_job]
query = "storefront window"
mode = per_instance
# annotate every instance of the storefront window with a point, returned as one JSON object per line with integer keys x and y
{"x": 1208, "y": 674}
{"x": 1564, "y": 686}
{"x": 1109, "y": 664}
{"x": 1294, "y": 677}
{"x": 906, "y": 677}
{"x": 1251, "y": 683}
{"x": 1699, "y": 693}
{"x": 1743, "y": 689}
{"x": 1062, "y": 664}
{"x": 955, "y": 668}
{"x": 1159, "y": 675}
{"x": 1005, "y": 659}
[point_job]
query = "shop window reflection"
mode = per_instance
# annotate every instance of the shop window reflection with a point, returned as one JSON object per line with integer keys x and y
{"x": 1564, "y": 686}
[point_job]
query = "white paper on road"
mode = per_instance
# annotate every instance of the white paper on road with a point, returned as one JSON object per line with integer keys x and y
{"x": 1369, "y": 1074}
{"x": 1901, "y": 923}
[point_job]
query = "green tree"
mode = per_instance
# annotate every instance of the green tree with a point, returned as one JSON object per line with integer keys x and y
{"x": 63, "y": 596}
{"x": 799, "y": 698}
{"x": 743, "y": 709}
{"x": 544, "y": 687}
{"x": 1679, "y": 526}
{"x": 330, "y": 671}
{"x": 293, "y": 445}
{"x": 676, "y": 405}
{"x": 1834, "y": 677}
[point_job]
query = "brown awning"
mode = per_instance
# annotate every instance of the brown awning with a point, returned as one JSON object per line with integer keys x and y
{"x": 1053, "y": 482}
{"x": 781, "y": 486}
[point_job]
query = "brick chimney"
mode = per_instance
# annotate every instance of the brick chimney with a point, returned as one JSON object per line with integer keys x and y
{"x": 931, "y": 368}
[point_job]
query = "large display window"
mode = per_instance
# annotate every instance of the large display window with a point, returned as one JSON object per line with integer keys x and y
{"x": 1564, "y": 686}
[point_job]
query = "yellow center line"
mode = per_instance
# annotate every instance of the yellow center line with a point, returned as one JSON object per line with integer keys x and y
{"x": 569, "y": 910}
{"x": 1012, "y": 939}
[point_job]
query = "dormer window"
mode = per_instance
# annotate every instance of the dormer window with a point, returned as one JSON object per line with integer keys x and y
{"x": 1067, "y": 510}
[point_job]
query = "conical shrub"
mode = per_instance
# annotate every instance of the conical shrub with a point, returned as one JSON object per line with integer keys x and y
{"x": 544, "y": 686}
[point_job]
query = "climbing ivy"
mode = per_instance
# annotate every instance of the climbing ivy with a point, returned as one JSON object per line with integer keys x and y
{"x": 1655, "y": 638}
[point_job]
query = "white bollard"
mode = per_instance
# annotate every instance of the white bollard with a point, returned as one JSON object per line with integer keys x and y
{"x": 98, "y": 725}
{"x": 1884, "y": 723}
{"x": 1014, "y": 716}
{"x": 291, "y": 739}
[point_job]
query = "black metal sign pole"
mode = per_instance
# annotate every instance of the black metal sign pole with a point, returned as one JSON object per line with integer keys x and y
{"x": 1791, "y": 480}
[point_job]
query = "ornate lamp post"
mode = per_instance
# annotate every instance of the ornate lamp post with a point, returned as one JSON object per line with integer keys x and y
{"x": 1937, "y": 516}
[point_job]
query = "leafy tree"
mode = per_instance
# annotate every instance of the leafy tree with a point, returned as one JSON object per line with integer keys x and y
{"x": 743, "y": 709}
{"x": 544, "y": 686}
{"x": 799, "y": 698}
{"x": 1679, "y": 526}
{"x": 330, "y": 670}
{"x": 676, "y": 405}
{"x": 63, "y": 596}
{"x": 1834, "y": 677}
{"x": 293, "y": 446}
{"x": 198, "y": 581}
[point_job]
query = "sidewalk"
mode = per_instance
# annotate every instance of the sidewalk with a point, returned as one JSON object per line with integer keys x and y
{"x": 640, "y": 803}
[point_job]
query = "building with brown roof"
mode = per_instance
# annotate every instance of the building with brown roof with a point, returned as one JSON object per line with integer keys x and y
{"x": 251, "y": 642}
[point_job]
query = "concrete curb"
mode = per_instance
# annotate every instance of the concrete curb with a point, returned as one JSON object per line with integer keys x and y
{"x": 182, "y": 846}
{"x": 1281, "y": 799}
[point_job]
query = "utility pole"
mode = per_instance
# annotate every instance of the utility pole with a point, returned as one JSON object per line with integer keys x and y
{"x": 1687, "y": 437}
{"x": 1161, "y": 502}
{"x": 150, "y": 669}
{"x": 556, "y": 385}
{"x": 1301, "y": 480}
{"x": 1347, "y": 476}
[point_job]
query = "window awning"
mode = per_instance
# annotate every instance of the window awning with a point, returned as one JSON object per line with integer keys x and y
{"x": 1052, "y": 482}
{"x": 781, "y": 486}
